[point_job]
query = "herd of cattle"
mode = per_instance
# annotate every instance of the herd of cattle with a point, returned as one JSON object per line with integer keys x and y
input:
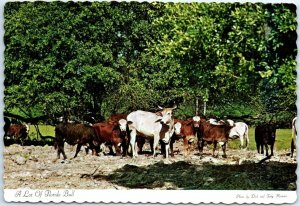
{"x": 130, "y": 132}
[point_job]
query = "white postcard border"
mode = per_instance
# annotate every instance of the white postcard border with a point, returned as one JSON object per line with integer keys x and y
{"x": 8, "y": 196}
{"x": 150, "y": 196}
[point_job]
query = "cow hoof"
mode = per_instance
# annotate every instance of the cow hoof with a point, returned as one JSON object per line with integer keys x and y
{"x": 224, "y": 156}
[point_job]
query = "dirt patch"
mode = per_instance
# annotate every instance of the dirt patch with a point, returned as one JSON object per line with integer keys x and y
{"x": 35, "y": 167}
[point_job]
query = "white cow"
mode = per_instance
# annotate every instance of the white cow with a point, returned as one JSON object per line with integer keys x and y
{"x": 240, "y": 130}
{"x": 156, "y": 126}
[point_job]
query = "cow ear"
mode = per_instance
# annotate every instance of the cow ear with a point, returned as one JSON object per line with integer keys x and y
{"x": 159, "y": 114}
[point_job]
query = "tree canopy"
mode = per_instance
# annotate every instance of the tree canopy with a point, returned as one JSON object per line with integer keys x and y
{"x": 75, "y": 58}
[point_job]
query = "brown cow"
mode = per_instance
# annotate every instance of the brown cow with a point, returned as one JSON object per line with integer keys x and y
{"x": 73, "y": 133}
{"x": 18, "y": 132}
{"x": 183, "y": 129}
{"x": 214, "y": 134}
{"x": 112, "y": 134}
{"x": 265, "y": 135}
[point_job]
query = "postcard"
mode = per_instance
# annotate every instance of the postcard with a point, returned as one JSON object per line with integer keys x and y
{"x": 150, "y": 102}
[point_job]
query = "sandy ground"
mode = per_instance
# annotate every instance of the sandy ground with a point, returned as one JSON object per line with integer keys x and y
{"x": 36, "y": 167}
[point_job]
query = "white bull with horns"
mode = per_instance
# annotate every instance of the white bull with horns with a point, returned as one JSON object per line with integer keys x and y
{"x": 156, "y": 126}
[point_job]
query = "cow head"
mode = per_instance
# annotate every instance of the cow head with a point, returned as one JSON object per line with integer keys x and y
{"x": 166, "y": 114}
{"x": 122, "y": 125}
{"x": 196, "y": 121}
{"x": 230, "y": 122}
{"x": 271, "y": 129}
{"x": 177, "y": 128}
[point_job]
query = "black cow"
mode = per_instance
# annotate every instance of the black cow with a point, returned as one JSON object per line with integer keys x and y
{"x": 73, "y": 133}
{"x": 265, "y": 135}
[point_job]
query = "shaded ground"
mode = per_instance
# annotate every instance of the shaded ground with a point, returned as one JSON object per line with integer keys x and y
{"x": 35, "y": 167}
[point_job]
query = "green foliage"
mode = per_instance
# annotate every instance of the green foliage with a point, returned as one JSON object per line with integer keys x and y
{"x": 72, "y": 58}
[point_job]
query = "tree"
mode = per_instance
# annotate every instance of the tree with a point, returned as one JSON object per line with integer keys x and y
{"x": 76, "y": 58}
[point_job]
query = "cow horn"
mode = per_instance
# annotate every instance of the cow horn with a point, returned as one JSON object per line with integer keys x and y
{"x": 160, "y": 107}
{"x": 174, "y": 107}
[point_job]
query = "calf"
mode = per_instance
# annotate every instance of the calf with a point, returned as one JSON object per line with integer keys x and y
{"x": 265, "y": 135}
{"x": 214, "y": 134}
{"x": 113, "y": 134}
{"x": 183, "y": 129}
{"x": 18, "y": 132}
{"x": 73, "y": 133}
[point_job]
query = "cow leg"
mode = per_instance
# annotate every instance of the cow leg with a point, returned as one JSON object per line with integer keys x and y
{"x": 242, "y": 142}
{"x": 87, "y": 150}
{"x": 247, "y": 138}
{"x": 272, "y": 147}
{"x": 95, "y": 149}
{"x": 155, "y": 143}
{"x": 185, "y": 146}
{"x": 258, "y": 148}
{"x": 140, "y": 144}
{"x": 224, "y": 150}
{"x": 162, "y": 147}
{"x": 124, "y": 148}
{"x": 171, "y": 147}
{"x": 60, "y": 149}
{"x": 77, "y": 150}
{"x": 267, "y": 148}
{"x": 151, "y": 145}
{"x": 262, "y": 149}
{"x": 167, "y": 145}
{"x": 58, "y": 152}
{"x": 118, "y": 148}
{"x": 292, "y": 147}
{"x": 133, "y": 143}
{"x": 111, "y": 151}
{"x": 200, "y": 147}
{"x": 215, "y": 143}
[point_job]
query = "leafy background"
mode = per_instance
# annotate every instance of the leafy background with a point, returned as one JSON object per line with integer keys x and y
{"x": 97, "y": 58}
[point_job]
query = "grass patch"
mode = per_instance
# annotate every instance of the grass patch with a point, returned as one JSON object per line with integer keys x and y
{"x": 46, "y": 130}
